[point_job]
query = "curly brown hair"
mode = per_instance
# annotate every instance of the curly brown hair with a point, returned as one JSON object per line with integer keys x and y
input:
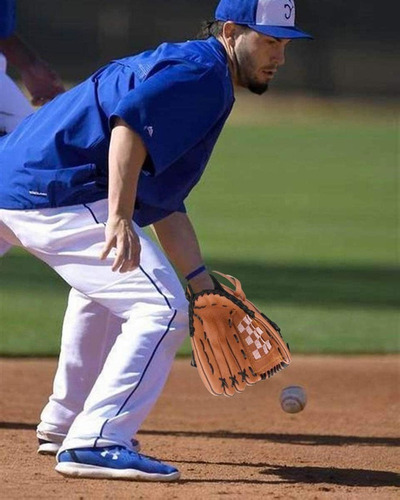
{"x": 210, "y": 28}
{"x": 214, "y": 28}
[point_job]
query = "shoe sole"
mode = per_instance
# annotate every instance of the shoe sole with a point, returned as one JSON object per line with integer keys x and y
{"x": 48, "y": 449}
{"x": 72, "y": 469}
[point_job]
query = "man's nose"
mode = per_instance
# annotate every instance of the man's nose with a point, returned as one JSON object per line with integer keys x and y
{"x": 279, "y": 56}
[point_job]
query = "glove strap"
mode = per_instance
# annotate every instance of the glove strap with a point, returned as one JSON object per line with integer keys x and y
{"x": 236, "y": 283}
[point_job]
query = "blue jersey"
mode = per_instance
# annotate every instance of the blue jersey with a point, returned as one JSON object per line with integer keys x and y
{"x": 177, "y": 98}
{"x": 7, "y": 18}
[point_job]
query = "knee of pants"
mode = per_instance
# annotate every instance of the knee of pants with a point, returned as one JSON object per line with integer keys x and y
{"x": 180, "y": 326}
{"x": 180, "y": 304}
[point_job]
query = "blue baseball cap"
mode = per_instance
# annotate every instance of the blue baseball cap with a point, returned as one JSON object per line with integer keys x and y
{"x": 275, "y": 18}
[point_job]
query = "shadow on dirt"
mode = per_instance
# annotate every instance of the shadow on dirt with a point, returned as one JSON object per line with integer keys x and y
{"x": 332, "y": 475}
{"x": 276, "y": 474}
{"x": 296, "y": 439}
{"x": 306, "y": 475}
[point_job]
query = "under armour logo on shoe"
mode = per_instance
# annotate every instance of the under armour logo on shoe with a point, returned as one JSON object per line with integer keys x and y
{"x": 114, "y": 455}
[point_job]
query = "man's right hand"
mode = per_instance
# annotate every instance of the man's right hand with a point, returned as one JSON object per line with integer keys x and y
{"x": 120, "y": 234}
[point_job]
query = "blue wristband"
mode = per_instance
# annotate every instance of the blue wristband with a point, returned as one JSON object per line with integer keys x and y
{"x": 195, "y": 273}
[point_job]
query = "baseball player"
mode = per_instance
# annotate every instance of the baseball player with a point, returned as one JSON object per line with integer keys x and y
{"x": 42, "y": 83}
{"x": 84, "y": 175}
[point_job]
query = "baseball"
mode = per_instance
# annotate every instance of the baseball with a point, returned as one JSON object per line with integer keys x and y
{"x": 293, "y": 399}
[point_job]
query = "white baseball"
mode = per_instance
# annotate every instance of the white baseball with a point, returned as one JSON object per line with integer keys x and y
{"x": 293, "y": 399}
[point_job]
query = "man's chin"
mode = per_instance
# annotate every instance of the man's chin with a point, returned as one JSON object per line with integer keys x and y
{"x": 258, "y": 88}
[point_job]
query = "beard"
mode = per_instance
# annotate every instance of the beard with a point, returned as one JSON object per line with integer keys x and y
{"x": 257, "y": 87}
{"x": 246, "y": 73}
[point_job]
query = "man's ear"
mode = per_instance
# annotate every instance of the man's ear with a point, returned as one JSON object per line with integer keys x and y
{"x": 230, "y": 33}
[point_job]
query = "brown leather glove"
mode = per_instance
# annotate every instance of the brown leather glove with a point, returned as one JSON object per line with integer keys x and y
{"x": 234, "y": 344}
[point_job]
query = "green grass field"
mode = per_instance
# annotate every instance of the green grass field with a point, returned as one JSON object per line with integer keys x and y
{"x": 304, "y": 214}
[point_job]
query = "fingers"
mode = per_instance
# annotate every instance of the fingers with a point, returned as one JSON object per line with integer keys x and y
{"x": 109, "y": 244}
{"x": 127, "y": 252}
{"x": 128, "y": 255}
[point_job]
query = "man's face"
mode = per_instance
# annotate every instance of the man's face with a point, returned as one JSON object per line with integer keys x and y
{"x": 258, "y": 58}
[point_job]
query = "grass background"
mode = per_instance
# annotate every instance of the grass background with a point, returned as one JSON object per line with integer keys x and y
{"x": 300, "y": 203}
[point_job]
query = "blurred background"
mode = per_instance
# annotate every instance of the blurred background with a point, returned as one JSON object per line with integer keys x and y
{"x": 354, "y": 51}
{"x": 300, "y": 200}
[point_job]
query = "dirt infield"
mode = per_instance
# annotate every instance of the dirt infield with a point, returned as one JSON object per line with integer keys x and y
{"x": 343, "y": 445}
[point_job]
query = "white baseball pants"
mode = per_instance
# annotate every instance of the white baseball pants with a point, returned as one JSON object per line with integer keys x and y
{"x": 125, "y": 370}
{"x": 89, "y": 331}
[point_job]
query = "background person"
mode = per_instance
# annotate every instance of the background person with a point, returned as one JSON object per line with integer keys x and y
{"x": 42, "y": 83}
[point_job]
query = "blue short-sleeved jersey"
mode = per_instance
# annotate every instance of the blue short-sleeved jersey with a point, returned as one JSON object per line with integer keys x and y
{"x": 7, "y": 18}
{"x": 177, "y": 98}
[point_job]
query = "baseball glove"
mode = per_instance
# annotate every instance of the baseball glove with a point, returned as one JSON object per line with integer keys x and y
{"x": 234, "y": 344}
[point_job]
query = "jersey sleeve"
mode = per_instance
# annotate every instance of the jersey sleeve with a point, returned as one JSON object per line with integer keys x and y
{"x": 7, "y": 18}
{"x": 145, "y": 215}
{"x": 173, "y": 110}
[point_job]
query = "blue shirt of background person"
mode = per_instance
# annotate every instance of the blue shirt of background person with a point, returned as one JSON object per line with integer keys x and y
{"x": 7, "y": 18}
{"x": 177, "y": 98}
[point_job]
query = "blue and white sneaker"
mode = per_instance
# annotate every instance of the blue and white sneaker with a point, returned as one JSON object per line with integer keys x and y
{"x": 113, "y": 462}
{"x": 46, "y": 447}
